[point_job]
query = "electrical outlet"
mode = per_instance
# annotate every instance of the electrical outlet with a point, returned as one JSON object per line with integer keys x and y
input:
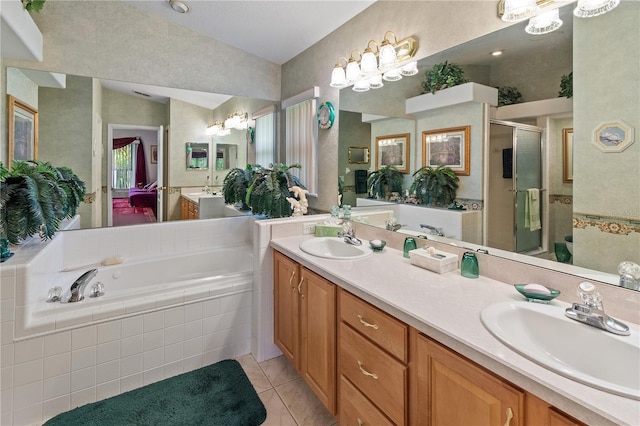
{"x": 309, "y": 228}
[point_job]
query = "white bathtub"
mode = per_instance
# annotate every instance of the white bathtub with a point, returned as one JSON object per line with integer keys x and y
{"x": 138, "y": 285}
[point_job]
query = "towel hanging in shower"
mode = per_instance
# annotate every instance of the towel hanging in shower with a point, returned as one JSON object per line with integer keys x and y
{"x": 532, "y": 209}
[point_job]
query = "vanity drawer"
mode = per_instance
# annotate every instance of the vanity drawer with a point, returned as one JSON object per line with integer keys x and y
{"x": 379, "y": 376}
{"x": 356, "y": 409}
{"x": 392, "y": 335}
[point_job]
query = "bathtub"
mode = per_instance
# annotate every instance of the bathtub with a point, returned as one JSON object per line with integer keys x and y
{"x": 135, "y": 286}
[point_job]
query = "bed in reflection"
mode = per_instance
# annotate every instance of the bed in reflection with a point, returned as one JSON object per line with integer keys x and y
{"x": 144, "y": 197}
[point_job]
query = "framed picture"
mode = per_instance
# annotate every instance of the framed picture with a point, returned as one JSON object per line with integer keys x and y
{"x": 358, "y": 155}
{"x": 613, "y": 136}
{"x": 449, "y": 147}
{"x": 393, "y": 150}
{"x": 23, "y": 131}
{"x": 567, "y": 155}
{"x": 154, "y": 154}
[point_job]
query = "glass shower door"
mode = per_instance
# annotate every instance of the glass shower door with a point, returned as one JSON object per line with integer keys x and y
{"x": 528, "y": 175}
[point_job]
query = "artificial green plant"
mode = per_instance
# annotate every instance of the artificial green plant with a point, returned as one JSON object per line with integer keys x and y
{"x": 442, "y": 76}
{"x": 236, "y": 183}
{"x": 386, "y": 179}
{"x": 566, "y": 86}
{"x": 508, "y": 95}
{"x": 33, "y": 5}
{"x": 267, "y": 194}
{"x": 436, "y": 186}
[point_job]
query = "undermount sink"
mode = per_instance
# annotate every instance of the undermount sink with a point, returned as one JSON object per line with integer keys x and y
{"x": 578, "y": 351}
{"x": 334, "y": 248}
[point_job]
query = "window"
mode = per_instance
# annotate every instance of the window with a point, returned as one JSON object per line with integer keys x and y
{"x": 265, "y": 140}
{"x": 302, "y": 142}
{"x": 123, "y": 170}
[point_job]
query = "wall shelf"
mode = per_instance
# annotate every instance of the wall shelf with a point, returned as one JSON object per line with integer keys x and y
{"x": 468, "y": 92}
{"x": 21, "y": 38}
{"x": 542, "y": 108}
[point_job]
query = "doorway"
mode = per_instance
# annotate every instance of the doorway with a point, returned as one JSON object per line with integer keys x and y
{"x": 514, "y": 203}
{"x": 134, "y": 175}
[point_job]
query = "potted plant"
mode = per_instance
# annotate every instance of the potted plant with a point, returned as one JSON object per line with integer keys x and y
{"x": 235, "y": 185}
{"x": 267, "y": 194}
{"x": 435, "y": 186}
{"x": 442, "y": 76}
{"x": 566, "y": 86}
{"x": 508, "y": 95}
{"x": 385, "y": 180}
{"x": 33, "y": 5}
{"x": 35, "y": 197}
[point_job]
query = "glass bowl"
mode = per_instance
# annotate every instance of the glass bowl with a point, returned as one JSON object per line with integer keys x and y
{"x": 537, "y": 297}
{"x": 377, "y": 245}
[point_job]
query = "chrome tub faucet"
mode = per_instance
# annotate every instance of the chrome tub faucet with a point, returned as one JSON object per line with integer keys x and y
{"x": 76, "y": 292}
{"x": 433, "y": 229}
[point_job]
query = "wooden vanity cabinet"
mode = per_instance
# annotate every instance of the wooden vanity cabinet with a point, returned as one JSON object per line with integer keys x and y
{"x": 448, "y": 389}
{"x": 305, "y": 325}
{"x": 188, "y": 209}
{"x": 540, "y": 413}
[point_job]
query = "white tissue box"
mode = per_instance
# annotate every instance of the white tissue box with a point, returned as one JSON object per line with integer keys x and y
{"x": 424, "y": 259}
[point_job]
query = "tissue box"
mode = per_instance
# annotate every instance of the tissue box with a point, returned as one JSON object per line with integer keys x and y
{"x": 324, "y": 230}
{"x": 424, "y": 259}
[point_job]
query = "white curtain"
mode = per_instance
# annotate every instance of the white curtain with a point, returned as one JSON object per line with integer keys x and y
{"x": 302, "y": 142}
{"x": 265, "y": 140}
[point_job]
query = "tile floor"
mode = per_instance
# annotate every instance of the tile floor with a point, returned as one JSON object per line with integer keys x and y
{"x": 288, "y": 400}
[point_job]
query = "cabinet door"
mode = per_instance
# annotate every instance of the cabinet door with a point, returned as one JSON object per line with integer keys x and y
{"x": 286, "y": 307}
{"x": 184, "y": 209}
{"x": 450, "y": 390}
{"x": 318, "y": 336}
{"x": 540, "y": 413}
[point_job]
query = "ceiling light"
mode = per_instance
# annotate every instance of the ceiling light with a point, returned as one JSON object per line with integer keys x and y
{"x": 178, "y": 6}
{"x": 497, "y": 52}
{"x": 544, "y": 23}
{"x": 591, "y": 8}
{"x": 390, "y": 62}
{"x": 518, "y": 10}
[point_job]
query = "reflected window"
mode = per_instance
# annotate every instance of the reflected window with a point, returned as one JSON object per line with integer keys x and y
{"x": 265, "y": 140}
{"x": 302, "y": 142}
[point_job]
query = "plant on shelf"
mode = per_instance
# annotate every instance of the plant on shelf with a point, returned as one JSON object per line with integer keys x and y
{"x": 35, "y": 197}
{"x": 382, "y": 182}
{"x": 33, "y": 5}
{"x": 508, "y": 95}
{"x": 566, "y": 86}
{"x": 236, "y": 183}
{"x": 442, "y": 76}
{"x": 435, "y": 186}
{"x": 267, "y": 194}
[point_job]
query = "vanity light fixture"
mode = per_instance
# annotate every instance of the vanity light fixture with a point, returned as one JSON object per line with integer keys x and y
{"x": 518, "y": 10}
{"x": 237, "y": 120}
{"x": 591, "y": 8}
{"x": 214, "y": 128}
{"x": 390, "y": 62}
{"x": 544, "y": 23}
{"x": 178, "y": 6}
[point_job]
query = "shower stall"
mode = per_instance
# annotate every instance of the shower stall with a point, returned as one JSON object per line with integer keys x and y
{"x": 515, "y": 196}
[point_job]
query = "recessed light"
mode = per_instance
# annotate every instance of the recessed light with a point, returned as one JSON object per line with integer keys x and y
{"x": 178, "y": 6}
{"x": 497, "y": 52}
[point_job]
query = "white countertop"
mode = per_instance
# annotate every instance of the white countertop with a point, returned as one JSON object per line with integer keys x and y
{"x": 447, "y": 308}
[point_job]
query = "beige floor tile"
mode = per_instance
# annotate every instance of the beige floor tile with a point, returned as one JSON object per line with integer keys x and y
{"x": 303, "y": 404}
{"x": 254, "y": 373}
{"x": 277, "y": 413}
{"x": 279, "y": 370}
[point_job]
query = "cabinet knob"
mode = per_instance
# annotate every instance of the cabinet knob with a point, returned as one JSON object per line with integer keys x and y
{"x": 366, "y": 373}
{"x": 360, "y": 422}
{"x": 509, "y": 416}
{"x": 367, "y": 324}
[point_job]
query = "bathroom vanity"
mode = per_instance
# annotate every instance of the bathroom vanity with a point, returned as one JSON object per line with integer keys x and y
{"x": 197, "y": 204}
{"x": 381, "y": 341}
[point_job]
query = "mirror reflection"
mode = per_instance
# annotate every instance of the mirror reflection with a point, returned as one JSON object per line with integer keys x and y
{"x": 197, "y": 156}
{"x": 358, "y": 155}
{"x": 226, "y": 156}
{"x": 490, "y": 192}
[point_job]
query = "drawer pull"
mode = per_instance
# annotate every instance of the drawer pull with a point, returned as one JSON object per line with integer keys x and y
{"x": 366, "y": 373}
{"x": 360, "y": 422}
{"x": 293, "y": 274}
{"x": 300, "y": 285}
{"x": 509, "y": 416}
{"x": 366, "y": 324}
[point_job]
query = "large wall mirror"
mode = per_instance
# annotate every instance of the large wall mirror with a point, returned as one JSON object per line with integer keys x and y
{"x": 197, "y": 156}
{"x": 226, "y": 156}
{"x": 534, "y": 66}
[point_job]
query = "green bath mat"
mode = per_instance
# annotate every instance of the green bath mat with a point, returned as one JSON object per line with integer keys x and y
{"x": 219, "y": 394}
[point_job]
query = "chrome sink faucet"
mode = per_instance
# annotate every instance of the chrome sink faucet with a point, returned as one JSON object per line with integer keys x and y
{"x": 76, "y": 292}
{"x": 433, "y": 229}
{"x": 349, "y": 234}
{"x": 629, "y": 275}
{"x": 591, "y": 311}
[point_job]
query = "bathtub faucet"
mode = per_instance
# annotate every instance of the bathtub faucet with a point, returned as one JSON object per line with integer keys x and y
{"x": 433, "y": 229}
{"x": 76, "y": 292}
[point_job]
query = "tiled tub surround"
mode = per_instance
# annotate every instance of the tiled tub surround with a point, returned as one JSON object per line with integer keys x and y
{"x": 447, "y": 307}
{"x": 92, "y": 358}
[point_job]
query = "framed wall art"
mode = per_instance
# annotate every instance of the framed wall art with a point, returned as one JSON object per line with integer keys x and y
{"x": 448, "y": 147}
{"x": 154, "y": 154}
{"x": 358, "y": 155}
{"x": 393, "y": 150}
{"x": 567, "y": 155}
{"x": 613, "y": 136}
{"x": 23, "y": 131}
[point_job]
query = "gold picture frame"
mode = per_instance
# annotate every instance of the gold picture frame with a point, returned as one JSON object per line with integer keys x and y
{"x": 449, "y": 147}
{"x": 393, "y": 150}
{"x": 23, "y": 131}
{"x": 358, "y": 155}
{"x": 567, "y": 155}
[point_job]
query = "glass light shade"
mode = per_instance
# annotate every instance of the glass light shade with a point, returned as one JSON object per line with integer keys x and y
{"x": 544, "y": 23}
{"x": 410, "y": 69}
{"x": 361, "y": 86}
{"x": 392, "y": 75}
{"x": 353, "y": 71}
{"x": 518, "y": 10}
{"x": 224, "y": 132}
{"x": 368, "y": 63}
{"x": 387, "y": 57}
{"x": 213, "y": 129}
{"x": 229, "y": 122}
{"x": 375, "y": 82}
{"x": 591, "y": 8}
{"x": 338, "y": 78}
